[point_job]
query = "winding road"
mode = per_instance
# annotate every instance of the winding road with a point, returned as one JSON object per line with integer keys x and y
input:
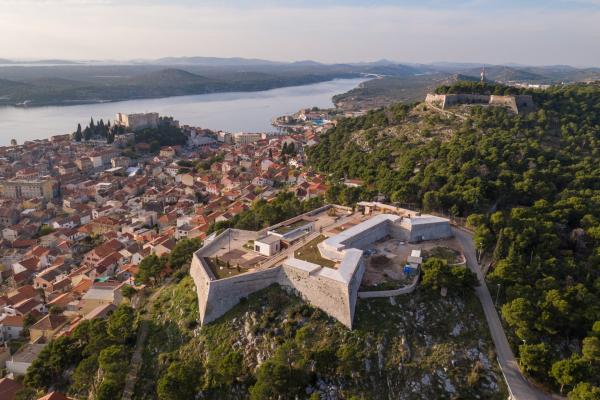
{"x": 518, "y": 387}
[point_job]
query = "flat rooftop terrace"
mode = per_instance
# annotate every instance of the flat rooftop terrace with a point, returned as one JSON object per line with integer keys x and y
{"x": 310, "y": 252}
{"x": 338, "y": 241}
{"x": 282, "y": 230}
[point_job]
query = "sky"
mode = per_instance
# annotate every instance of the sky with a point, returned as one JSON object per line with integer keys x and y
{"x": 533, "y": 32}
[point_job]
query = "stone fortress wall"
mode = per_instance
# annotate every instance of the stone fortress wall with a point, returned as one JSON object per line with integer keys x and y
{"x": 518, "y": 104}
{"x": 333, "y": 290}
{"x": 426, "y": 227}
{"x": 214, "y": 295}
{"x": 325, "y": 291}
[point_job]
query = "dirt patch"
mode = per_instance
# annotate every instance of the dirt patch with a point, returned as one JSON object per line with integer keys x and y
{"x": 451, "y": 256}
{"x": 381, "y": 269}
{"x": 384, "y": 268}
{"x": 242, "y": 258}
{"x": 380, "y": 261}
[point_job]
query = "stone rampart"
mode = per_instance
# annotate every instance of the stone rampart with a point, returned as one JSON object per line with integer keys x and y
{"x": 334, "y": 296}
{"x": 216, "y": 297}
{"x": 516, "y": 103}
{"x": 330, "y": 295}
{"x": 455, "y": 99}
{"x": 202, "y": 277}
{"x": 437, "y": 228}
{"x": 438, "y": 100}
{"x": 223, "y": 294}
{"x": 354, "y": 286}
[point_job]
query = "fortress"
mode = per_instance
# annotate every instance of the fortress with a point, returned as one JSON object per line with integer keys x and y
{"x": 519, "y": 104}
{"x": 332, "y": 289}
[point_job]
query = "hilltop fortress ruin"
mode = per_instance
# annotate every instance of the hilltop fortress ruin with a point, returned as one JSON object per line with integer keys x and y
{"x": 333, "y": 288}
{"x": 519, "y": 104}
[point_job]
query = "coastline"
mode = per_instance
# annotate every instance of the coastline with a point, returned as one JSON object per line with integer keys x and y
{"x": 250, "y": 111}
{"x": 75, "y": 102}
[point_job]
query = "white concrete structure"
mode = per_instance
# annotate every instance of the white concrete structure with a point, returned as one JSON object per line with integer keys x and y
{"x": 268, "y": 245}
{"x": 333, "y": 290}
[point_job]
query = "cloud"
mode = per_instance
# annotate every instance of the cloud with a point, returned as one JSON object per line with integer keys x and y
{"x": 480, "y": 31}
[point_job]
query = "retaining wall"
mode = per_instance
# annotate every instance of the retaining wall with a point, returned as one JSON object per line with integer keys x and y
{"x": 390, "y": 293}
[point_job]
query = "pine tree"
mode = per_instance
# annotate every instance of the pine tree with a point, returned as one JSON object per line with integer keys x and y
{"x": 102, "y": 130}
{"x": 78, "y": 135}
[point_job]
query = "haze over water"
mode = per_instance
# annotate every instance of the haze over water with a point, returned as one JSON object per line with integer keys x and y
{"x": 234, "y": 112}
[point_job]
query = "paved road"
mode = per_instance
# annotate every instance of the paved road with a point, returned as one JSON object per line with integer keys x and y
{"x": 518, "y": 387}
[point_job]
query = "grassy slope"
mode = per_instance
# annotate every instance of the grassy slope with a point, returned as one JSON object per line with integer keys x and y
{"x": 402, "y": 349}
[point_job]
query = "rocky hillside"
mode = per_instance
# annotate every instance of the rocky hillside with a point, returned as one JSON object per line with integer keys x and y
{"x": 274, "y": 344}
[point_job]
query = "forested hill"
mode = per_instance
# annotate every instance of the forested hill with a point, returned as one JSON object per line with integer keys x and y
{"x": 529, "y": 184}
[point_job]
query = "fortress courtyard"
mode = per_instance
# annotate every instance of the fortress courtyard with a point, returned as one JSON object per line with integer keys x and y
{"x": 328, "y": 256}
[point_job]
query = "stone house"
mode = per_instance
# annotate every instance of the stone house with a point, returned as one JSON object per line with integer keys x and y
{"x": 23, "y": 359}
{"x": 47, "y": 327}
{"x": 102, "y": 293}
{"x": 11, "y": 327}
